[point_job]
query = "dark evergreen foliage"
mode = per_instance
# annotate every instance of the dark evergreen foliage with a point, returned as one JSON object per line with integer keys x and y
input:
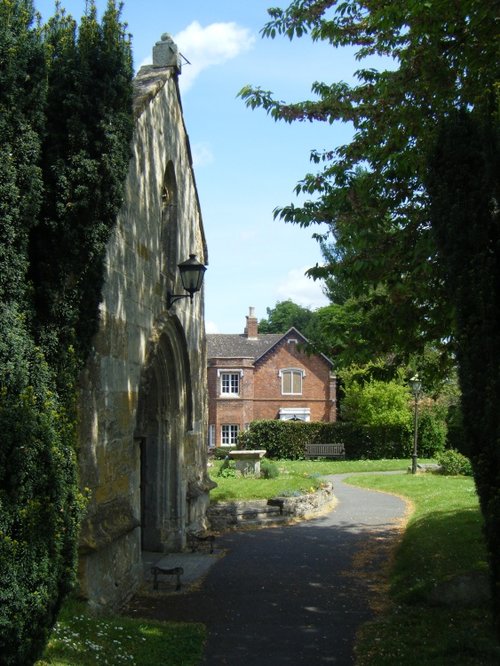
{"x": 465, "y": 216}
{"x": 40, "y": 505}
{"x": 85, "y": 159}
{"x": 65, "y": 128}
{"x": 22, "y": 103}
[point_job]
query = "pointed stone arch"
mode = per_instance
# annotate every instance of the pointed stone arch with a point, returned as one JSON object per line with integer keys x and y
{"x": 164, "y": 417}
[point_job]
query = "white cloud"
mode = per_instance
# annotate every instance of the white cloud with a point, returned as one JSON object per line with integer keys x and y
{"x": 212, "y": 45}
{"x": 211, "y": 327}
{"x": 202, "y": 154}
{"x": 301, "y": 289}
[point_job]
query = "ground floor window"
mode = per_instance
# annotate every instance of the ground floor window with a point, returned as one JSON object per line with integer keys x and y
{"x": 230, "y": 435}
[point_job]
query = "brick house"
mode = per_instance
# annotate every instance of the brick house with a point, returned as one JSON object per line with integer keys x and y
{"x": 268, "y": 376}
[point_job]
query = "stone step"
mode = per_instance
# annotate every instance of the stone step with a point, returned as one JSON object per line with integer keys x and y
{"x": 261, "y": 516}
{"x": 243, "y": 514}
{"x": 263, "y": 522}
{"x": 259, "y": 513}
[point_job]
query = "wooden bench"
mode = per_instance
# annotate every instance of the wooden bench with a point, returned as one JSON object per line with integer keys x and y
{"x": 314, "y": 450}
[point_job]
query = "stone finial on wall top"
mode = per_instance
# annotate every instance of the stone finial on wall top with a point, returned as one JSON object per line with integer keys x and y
{"x": 166, "y": 53}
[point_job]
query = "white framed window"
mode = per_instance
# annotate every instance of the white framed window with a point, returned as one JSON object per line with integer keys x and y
{"x": 229, "y": 434}
{"x": 211, "y": 435}
{"x": 230, "y": 382}
{"x": 291, "y": 381}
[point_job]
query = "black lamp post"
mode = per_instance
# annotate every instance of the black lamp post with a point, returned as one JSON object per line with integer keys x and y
{"x": 416, "y": 387}
{"x": 192, "y": 273}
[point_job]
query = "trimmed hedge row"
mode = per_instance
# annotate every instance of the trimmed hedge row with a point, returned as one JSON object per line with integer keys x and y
{"x": 288, "y": 439}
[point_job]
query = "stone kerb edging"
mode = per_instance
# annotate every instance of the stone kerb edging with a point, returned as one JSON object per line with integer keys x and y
{"x": 277, "y": 510}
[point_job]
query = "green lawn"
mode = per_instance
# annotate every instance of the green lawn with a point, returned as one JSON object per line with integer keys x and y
{"x": 81, "y": 639}
{"x": 443, "y": 540}
{"x": 296, "y": 476}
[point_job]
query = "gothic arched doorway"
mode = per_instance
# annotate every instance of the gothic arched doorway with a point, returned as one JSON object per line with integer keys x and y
{"x": 164, "y": 416}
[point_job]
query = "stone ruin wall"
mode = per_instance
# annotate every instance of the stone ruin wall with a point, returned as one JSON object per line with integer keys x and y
{"x": 159, "y": 225}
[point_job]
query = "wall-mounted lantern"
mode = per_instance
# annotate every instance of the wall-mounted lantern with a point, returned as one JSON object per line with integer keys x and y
{"x": 192, "y": 273}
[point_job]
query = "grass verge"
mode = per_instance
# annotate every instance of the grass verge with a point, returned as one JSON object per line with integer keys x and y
{"x": 430, "y": 618}
{"x": 82, "y": 639}
{"x": 296, "y": 477}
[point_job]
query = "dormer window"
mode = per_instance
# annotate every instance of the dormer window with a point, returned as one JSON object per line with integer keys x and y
{"x": 291, "y": 381}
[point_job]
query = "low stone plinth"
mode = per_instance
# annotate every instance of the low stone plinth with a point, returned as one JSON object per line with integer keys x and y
{"x": 247, "y": 462}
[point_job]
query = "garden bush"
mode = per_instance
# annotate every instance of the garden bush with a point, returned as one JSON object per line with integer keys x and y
{"x": 268, "y": 469}
{"x": 431, "y": 432}
{"x": 288, "y": 439}
{"x": 376, "y": 402}
{"x": 455, "y": 435}
{"x": 454, "y": 463}
{"x": 280, "y": 439}
{"x": 227, "y": 469}
{"x": 221, "y": 452}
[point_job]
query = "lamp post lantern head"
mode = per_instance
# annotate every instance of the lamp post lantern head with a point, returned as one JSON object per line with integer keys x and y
{"x": 192, "y": 273}
{"x": 416, "y": 385}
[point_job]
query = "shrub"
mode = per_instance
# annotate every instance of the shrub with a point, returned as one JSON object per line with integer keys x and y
{"x": 431, "y": 432}
{"x": 227, "y": 469}
{"x": 288, "y": 439}
{"x": 376, "y": 403}
{"x": 221, "y": 452}
{"x": 455, "y": 436}
{"x": 280, "y": 439}
{"x": 268, "y": 469}
{"x": 454, "y": 463}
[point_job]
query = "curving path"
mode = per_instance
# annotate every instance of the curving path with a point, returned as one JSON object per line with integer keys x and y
{"x": 292, "y": 595}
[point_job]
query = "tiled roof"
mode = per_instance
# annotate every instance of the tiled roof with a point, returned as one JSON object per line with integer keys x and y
{"x": 228, "y": 345}
{"x": 234, "y": 345}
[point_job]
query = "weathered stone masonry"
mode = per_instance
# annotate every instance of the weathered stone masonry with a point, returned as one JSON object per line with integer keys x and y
{"x": 143, "y": 392}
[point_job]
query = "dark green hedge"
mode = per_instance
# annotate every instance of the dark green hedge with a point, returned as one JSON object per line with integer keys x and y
{"x": 288, "y": 439}
{"x": 40, "y": 505}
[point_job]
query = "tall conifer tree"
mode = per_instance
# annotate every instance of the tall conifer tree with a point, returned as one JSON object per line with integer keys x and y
{"x": 65, "y": 128}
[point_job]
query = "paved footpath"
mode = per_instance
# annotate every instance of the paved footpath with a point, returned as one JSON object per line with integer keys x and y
{"x": 292, "y": 595}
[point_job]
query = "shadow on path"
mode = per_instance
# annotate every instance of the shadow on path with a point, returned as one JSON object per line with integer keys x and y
{"x": 291, "y": 595}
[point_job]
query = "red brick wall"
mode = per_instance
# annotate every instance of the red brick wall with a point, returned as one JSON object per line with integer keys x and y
{"x": 260, "y": 388}
{"x": 230, "y": 410}
{"x": 315, "y": 384}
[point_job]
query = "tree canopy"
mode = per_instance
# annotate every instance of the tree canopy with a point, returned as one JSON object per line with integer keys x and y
{"x": 284, "y": 315}
{"x": 379, "y": 246}
{"x": 411, "y": 204}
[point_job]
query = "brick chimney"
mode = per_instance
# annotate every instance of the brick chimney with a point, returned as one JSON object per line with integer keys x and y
{"x": 252, "y": 328}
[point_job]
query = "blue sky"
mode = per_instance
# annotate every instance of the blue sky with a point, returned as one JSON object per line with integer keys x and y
{"x": 245, "y": 163}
